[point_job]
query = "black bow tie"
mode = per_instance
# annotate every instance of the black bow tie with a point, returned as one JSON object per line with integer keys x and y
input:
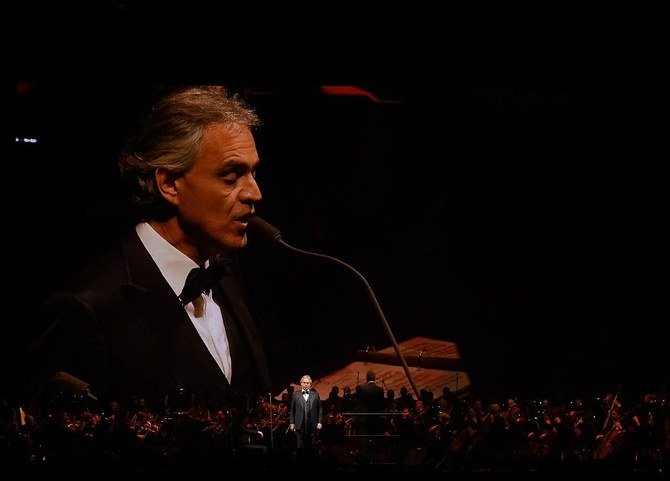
{"x": 201, "y": 280}
{"x": 305, "y": 391}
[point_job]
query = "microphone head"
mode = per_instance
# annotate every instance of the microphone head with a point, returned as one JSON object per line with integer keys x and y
{"x": 258, "y": 228}
{"x": 68, "y": 381}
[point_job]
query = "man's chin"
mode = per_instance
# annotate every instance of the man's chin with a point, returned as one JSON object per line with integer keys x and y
{"x": 236, "y": 237}
{"x": 235, "y": 243}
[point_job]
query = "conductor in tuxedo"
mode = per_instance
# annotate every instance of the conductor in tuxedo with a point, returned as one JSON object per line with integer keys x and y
{"x": 370, "y": 400}
{"x": 306, "y": 414}
{"x": 162, "y": 310}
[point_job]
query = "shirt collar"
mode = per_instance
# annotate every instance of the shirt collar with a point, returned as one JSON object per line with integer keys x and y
{"x": 173, "y": 264}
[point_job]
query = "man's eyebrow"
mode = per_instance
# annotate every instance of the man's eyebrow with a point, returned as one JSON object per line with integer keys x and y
{"x": 235, "y": 160}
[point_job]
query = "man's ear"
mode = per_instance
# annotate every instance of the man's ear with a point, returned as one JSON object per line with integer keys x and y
{"x": 166, "y": 182}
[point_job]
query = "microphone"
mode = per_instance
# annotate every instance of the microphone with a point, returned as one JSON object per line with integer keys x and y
{"x": 257, "y": 227}
{"x": 74, "y": 385}
{"x": 266, "y": 232}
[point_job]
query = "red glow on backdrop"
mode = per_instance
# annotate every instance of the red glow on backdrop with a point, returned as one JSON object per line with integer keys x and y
{"x": 348, "y": 90}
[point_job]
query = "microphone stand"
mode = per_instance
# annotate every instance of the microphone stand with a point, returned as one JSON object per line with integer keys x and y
{"x": 271, "y": 430}
{"x": 373, "y": 298}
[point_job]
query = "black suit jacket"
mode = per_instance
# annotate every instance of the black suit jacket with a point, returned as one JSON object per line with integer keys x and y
{"x": 121, "y": 328}
{"x": 370, "y": 400}
{"x": 297, "y": 412}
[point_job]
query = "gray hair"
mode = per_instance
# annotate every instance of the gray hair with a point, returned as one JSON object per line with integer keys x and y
{"x": 171, "y": 137}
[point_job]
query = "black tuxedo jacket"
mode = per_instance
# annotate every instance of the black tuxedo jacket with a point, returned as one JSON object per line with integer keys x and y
{"x": 121, "y": 328}
{"x": 297, "y": 412}
{"x": 370, "y": 400}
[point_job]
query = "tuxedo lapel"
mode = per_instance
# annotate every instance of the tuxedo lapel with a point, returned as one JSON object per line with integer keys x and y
{"x": 166, "y": 322}
{"x": 246, "y": 346}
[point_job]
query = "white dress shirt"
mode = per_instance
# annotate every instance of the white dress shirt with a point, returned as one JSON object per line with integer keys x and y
{"x": 204, "y": 313}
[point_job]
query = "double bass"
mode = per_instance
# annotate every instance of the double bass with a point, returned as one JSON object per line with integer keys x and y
{"x": 609, "y": 437}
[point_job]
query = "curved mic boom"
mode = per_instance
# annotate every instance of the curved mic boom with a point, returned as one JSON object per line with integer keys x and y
{"x": 257, "y": 227}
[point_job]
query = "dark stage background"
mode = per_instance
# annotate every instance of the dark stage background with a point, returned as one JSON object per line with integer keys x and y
{"x": 504, "y": 193}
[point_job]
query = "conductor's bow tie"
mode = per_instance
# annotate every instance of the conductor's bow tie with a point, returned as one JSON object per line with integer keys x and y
{"x": 202, "y": 279}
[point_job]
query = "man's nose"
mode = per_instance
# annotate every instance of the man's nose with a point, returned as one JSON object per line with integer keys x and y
{"x": 251, "y": 191}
